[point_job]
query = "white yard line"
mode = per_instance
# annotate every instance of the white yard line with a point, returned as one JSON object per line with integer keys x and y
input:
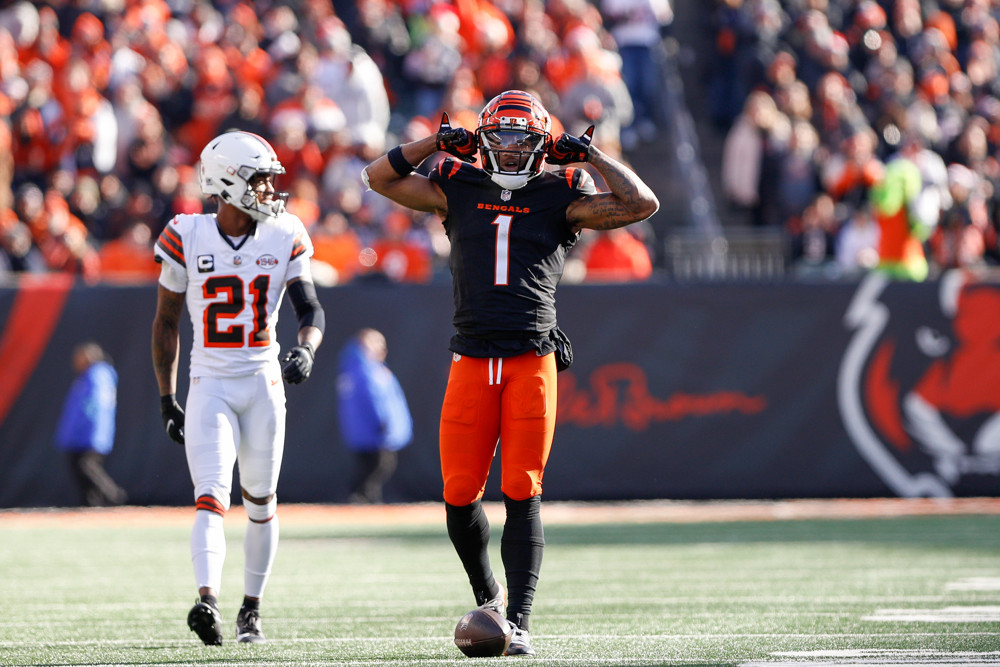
{"x": 877, "y": 658}
{"x": 957, "y": 614}
{"x": 974, "y": 584}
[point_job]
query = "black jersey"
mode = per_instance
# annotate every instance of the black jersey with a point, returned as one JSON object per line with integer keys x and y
{"x": 508, "y": 250}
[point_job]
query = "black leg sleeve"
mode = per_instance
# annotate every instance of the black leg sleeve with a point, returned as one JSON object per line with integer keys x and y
{"x": 469, "y": 530}
{"x": 521, "y": 549}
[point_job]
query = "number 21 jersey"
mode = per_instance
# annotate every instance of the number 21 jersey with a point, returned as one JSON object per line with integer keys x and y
{"x": 233, "y": 289}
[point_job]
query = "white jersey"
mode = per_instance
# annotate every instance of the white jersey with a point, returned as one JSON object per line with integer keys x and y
{"x": 233, "y": 290}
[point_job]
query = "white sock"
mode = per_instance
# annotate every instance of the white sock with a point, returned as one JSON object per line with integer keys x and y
{"x": 208, "y": 549}
{"x": 259, "y": 548}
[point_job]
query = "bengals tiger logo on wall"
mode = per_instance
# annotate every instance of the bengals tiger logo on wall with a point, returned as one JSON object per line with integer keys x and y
{"x": 919, "y": 387}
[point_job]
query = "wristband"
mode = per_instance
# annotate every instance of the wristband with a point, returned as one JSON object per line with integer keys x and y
{"x": 167, "y": 401}
{"x": 398, "y": 162}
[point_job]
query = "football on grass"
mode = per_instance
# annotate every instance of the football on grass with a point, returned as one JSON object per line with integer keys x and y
{"x": 483, "y": 633}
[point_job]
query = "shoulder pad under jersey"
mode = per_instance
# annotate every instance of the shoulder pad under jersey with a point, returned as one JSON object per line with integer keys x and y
{"x": 579, "y": 180}
{"x": 452, "y": 169}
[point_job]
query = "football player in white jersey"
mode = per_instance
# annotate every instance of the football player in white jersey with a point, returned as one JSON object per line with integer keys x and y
{"x": 232, "y": 268}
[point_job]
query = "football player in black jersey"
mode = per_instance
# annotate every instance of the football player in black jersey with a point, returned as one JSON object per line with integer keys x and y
{"x": 511, "y": 224}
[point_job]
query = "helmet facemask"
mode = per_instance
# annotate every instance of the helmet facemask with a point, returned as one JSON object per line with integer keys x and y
{"x": 261, "y": 201}
{"x": 511, "y": 157}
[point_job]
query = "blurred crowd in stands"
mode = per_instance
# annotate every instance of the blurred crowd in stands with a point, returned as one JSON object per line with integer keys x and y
{"x": 105, "y": 106}
{"x": 869, "y": 130}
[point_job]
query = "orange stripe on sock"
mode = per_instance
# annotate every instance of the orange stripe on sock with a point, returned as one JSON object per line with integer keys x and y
{"x": 33, "y": 317}
{"x": 210, "y": 504}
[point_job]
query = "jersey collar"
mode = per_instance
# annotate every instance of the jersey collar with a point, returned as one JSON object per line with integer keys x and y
{"x": 236, "y": 246}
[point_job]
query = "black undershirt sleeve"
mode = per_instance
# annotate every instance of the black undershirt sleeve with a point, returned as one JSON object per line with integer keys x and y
{"x": 308, "y": 310}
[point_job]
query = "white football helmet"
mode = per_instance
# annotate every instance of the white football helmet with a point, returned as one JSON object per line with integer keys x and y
{"x": 228, "y": 165}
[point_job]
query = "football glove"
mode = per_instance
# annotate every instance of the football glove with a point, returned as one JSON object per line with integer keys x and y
{"x": 456, "y": 141}
{"x": 297, "y": 364}
{"x": 173, "y": 418}
{"x": 568, "y": 149}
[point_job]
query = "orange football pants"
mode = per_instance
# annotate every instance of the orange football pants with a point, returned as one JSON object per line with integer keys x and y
{"x": 510, "y": 399}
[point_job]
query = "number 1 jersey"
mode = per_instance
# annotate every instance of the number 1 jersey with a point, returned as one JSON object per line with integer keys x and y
{"x": 508, "y": 249}
{"x": 233, "y": 289}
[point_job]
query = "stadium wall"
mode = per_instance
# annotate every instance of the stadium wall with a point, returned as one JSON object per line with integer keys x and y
{"x": 723, "y": 391}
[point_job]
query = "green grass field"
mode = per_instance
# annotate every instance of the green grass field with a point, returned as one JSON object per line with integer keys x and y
{"x": 912, "y": 590}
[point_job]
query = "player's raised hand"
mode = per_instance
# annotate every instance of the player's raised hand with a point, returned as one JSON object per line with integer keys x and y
{"x": 173, "y": 418}
{"x": 568, "y": 149}
{"x": 456, "y": 141}
{"x": 297, "y": 364}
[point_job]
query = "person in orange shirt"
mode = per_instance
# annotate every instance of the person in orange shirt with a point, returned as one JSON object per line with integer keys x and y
{"x": 303, "y": 201}
{"x": 65, "y": 242}
{"x": 849, "y": 173}
{"x": 337, "y": 246}
{"x": 88, "y": 44}
{"x": 900, "y": 251}
{"x": 38, "y": 138}
{"x": 214, "y": 98}
{"x": 129, "y": 258}
{"x": 297, "y": 151}
{"x": 49, "y": 46}
{"x": 616, "y": 256}
{"x": 400, "y": 257}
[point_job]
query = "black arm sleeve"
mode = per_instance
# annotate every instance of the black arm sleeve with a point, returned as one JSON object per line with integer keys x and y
{"x": 307, "y": 307}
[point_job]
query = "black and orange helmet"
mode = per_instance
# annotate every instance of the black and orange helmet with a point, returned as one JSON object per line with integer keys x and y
{"x": 514, "y": 136}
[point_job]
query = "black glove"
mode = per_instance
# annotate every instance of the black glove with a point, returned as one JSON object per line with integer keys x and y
{"x": 173, "y": 418}
{"x": 568, "y": 149}
{"x": 456, "y": 141}
{"x": 297, "y": 363}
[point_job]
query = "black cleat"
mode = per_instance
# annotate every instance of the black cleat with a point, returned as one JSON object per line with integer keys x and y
{"x": 206, "y": 622}
{"x": 248, "y": 627}
{"x": 520, "y": 643}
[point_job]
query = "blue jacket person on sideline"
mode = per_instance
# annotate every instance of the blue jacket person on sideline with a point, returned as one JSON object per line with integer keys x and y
{"x": 375, "y": 420}
{"x": 86, "y": 428}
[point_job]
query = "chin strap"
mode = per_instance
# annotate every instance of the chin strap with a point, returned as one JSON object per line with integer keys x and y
{"x": 511, "y": 181}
